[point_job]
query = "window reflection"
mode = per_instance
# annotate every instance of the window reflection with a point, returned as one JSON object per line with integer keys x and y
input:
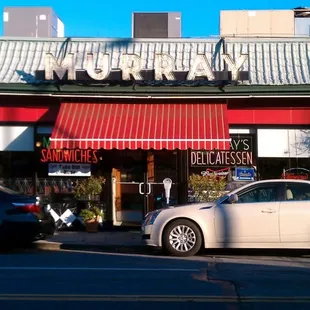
{"x": 261, "y": 194}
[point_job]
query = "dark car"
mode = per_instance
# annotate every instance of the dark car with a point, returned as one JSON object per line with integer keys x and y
{"x": 23, "y": 219}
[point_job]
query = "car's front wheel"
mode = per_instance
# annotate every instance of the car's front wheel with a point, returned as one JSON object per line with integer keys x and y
{"x": 182, "y": 238}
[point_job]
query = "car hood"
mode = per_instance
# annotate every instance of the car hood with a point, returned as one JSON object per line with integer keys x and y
{"x": 195, "y": 206}
{"x": 24, "y": 198}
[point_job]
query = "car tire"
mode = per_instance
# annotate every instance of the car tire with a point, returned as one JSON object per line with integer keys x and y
{"x": 182, "y": 238}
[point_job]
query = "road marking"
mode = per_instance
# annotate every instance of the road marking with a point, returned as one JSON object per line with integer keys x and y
{"x": 154, "y": 298}
{"x": 98, "y": 269}
{"x": 278, "y": 261}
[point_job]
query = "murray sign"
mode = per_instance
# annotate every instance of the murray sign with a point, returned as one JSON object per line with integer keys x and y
{"x": 132, "y": 67}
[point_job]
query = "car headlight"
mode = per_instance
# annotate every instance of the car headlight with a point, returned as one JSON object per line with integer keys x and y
{"x": 151, "y": 217}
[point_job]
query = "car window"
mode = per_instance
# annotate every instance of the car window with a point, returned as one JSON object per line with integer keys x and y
{"x": 266, "y": 193}
{"x": 4, "y": 196}
{"x": 297, "y": 191}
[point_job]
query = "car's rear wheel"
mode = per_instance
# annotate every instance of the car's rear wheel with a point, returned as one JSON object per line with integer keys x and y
{"x": 182, "y": 238}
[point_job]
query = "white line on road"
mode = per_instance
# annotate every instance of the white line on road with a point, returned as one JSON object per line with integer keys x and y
{"x": 97, "y": 269}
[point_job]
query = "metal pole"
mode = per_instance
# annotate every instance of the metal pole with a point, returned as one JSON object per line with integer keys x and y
{"x": 34, "y": 182}
{"x": 37, "y": 26}
{"x": 36, "y": 162}
{"x": 145, "y": 195}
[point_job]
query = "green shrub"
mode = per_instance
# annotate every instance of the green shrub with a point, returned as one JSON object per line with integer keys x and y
{"x": 89, "y": 191}
{"x": 91, "y": 214}
{"x": 207, "y": 188}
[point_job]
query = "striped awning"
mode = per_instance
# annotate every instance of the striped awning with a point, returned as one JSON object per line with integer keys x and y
{"x": 146, "y": 126}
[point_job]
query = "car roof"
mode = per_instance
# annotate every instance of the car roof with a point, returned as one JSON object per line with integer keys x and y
{"x": 267, "y": 181}
{"x": 281, "y": 180}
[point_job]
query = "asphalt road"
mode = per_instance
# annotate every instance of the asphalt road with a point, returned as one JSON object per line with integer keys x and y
{"x": 77, "y": 280}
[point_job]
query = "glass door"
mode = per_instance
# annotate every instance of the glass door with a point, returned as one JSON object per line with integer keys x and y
{"x": 132, "y": 200}
{"x": 137, "y": 191}
{"x": 129, "y": 198}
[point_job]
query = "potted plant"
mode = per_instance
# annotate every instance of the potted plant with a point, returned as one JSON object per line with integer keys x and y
{"x": 89, "y": 190}
{"x": 91, "y": 218}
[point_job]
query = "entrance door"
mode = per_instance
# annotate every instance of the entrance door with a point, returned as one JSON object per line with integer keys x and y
{"x": 132, "y": 200}
{"x": 136, "y": 191}
{"x": 128, "y": 200}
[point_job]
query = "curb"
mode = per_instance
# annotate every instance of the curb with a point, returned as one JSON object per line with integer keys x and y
{"x": 124, "y": 249}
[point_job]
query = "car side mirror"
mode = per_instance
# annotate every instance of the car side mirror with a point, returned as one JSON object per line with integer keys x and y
{"x": 233, "y": 198}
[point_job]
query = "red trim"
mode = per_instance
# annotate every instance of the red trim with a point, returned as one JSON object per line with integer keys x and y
{"x": 145, "y": 126}
{"x": 269, "y": 116}
{"x": 245, "y": 116}
{"x": 27, "y": 114}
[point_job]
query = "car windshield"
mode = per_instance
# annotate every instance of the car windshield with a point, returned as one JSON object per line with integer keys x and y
{"x": 8, "y": 190}
{"x": 230, "y": 188}
{"x": 225, "y": 195}
{"x": 221, "y": 198}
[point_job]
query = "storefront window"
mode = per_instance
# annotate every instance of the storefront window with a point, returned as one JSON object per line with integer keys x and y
{"x": 165, "y": 165}
{"x": 237, "y": 165}
{"x": 272, "y": 168}
{"x": 17, "y": 164}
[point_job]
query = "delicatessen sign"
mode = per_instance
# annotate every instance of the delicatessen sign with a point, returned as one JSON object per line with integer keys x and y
{"x": 221, "y": 158}
{"x": 240, "y": 154}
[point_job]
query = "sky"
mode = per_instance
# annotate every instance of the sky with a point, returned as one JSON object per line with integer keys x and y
{"x": 112, "y": 19}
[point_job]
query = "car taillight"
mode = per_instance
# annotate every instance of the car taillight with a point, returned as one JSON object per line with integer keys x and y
{"x": 25, "y": 208}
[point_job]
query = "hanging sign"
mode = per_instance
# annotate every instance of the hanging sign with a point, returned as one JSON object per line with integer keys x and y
{"x": 218, "y": 173}
{"x": 245, "y": 174}
{"x": 296, "y": 173}
{"x": 76, "y": 170}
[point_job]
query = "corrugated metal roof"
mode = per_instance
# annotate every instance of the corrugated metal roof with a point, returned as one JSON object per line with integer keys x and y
{"x": 270, "y": 62}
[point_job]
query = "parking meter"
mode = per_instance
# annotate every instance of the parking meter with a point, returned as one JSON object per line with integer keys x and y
{"x": 167, "y": 185}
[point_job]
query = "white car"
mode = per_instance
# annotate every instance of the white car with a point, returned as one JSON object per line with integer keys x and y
{"x": 262, "y": 214}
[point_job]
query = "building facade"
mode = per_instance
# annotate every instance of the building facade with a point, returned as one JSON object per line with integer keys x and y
{"x": 141, "y": 111}
{"x": 37, "y": 22}
{"x": 265, "y": 23}
{"x": 156, "y": 25}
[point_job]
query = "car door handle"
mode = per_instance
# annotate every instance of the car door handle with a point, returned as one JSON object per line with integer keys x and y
{"x": 268, "y": 211}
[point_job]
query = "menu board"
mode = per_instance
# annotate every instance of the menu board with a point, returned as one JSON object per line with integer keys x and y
{"x": 65, "y": 169}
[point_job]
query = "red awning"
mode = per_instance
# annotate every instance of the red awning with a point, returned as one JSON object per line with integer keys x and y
{"x": 145, "y": 126}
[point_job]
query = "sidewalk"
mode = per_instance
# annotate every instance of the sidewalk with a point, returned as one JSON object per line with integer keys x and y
{"x": 116, "y": 241}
